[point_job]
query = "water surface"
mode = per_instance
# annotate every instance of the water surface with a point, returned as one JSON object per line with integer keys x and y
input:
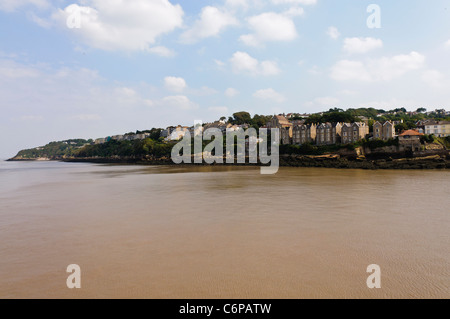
{"x": 174, "y": 232}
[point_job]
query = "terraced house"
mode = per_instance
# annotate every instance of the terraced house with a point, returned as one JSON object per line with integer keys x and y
{"x": 354, "y": 132}
{"x": 384, "y": 131}
{"x": 328, "y": 133}
{"x": 286, "y": 128}
{"x": 304, "y": 133}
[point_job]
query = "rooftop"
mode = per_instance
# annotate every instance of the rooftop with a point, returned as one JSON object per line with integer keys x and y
{"x": 437, "y": 123}
{"x": 411, "y": 133}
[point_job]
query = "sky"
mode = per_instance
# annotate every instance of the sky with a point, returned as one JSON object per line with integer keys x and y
{"x": 95, "y": 68}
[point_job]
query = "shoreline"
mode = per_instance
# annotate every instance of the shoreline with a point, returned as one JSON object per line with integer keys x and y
{"x": 430, "y": 162}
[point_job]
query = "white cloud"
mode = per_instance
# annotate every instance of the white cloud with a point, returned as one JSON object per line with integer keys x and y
{"x": 383, "y": 69}
{"x": 236, "y": 3}
{"x": 269, "y": 68}
{"x": 361, "y": 45}
{"x": 211, "y": 23}
{"x": 162, "y": 51}
{"x": 43, "y": 23}
{"x": 294, "y": 12}
{"x": 434, "y": 79}
{"x": 219, "y": 63}
{"x": 269, "y": 27}
{"x": 447, "y": 44}
{"x": 242, "y": 62}
{"x": 11, "y": 69}
{"x": 333, "y": 33}
{"x": 231, "y": 92}
{"x": 181, "y": 102}
{"x": 302, "y": 2}
{"x": 175, "y": 84}
{"x": 125, "y": 92}
{"x": 13, "y": 5}
{"x": 132, "y": 25}
{"x": 269, "y": 94}
{"x": 243, "y": 4}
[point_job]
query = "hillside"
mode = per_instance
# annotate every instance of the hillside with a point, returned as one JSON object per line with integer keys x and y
{"x": 155, "y": 146}
{"x": 53, "y": 150}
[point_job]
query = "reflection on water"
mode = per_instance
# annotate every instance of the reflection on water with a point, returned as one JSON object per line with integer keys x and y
{"x": 222, "y": 232}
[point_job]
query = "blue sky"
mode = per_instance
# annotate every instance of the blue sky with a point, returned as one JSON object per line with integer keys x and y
{"x": 138, "y": 64}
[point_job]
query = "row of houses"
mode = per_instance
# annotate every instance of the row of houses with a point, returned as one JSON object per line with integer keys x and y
{"x": 175, "y": 133}
{"x": 441, "y": 112}
{"x": 126, "y": 137}
{"x": 297, "y": 132}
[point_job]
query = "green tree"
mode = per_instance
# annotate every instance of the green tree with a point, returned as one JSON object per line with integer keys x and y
{"x": 401, "y": 127}
{"x": 155, "y": 133}
{"x": 259, "y": 121}
{"x": 240, "y": 118}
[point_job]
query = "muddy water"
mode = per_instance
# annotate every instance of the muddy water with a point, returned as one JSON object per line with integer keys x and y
{"x": 172, "y": 232}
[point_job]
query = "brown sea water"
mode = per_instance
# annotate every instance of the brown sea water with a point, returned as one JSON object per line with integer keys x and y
{"x": 223, "y": 232}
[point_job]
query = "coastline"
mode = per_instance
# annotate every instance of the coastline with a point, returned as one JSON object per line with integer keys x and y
{"x": 428, "y": 160}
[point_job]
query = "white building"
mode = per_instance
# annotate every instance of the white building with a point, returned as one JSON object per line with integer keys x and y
{"x": 100, "y": 141}
{"x": 439, "y": 129}
{"x": 177, "y": 133}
